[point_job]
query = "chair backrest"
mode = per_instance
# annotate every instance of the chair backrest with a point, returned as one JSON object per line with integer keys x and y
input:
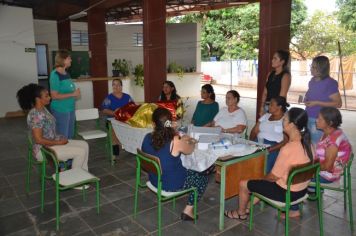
{"x": 86, "y": 114}
{"x": 303, "y": 173}
{"x": 349, "y": 163}
{"x": 149, "y": 163}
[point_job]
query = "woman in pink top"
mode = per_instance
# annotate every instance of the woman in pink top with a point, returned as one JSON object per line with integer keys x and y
{"x": 333, "y": 150}
{"x": 296, "y": 152}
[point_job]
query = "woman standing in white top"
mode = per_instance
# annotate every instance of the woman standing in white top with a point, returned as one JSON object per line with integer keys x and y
{"x": 269, "y": 129}
{"x": 231, "y": 119}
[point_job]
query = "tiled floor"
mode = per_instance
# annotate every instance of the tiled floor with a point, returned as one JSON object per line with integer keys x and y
{"x": 20, "y": 213}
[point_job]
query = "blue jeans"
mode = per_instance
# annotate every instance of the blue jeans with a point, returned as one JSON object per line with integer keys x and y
{"x": 322, "y": 181}
{"x": 272, "y": 156}
{"x": 65, "y": 123}
{"x": 314, "y": 132}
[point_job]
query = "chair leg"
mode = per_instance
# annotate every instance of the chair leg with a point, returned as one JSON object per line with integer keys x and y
{"x": 287, "y": 220}
{"x": 195, "y": 205}
{"x": 97, "y": 197}
{"x": 159, "y": 215}
{"x": 251, "y": 211}
{"x": 346, "y": 186}
{"x": 138, "y": 176}
{"x": 57, "y": 203}
{"x": 349, "y": 191}
{"x": 320, "y": 208}
{"x": 174, "y": 203}
{"x": 29, "y": 167}
{"x": 43, "y": 173}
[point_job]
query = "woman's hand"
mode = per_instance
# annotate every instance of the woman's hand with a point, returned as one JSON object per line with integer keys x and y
{"x": 311, "y": 103}
{"x": 62, "y": 141}
{"x": 76, "y": 93}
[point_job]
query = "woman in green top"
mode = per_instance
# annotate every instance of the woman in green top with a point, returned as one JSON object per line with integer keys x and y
{"x": 63, "y": 93}
{"x": 207, "y": 108}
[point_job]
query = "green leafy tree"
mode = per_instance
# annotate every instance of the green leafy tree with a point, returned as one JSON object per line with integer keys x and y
{"x": 347, "y": 13}
{"x": 320, "y": 34}
{"x": 232, "y": 33}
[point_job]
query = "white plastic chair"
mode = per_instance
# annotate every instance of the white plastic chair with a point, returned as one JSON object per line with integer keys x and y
{"x": 93, "y": 114}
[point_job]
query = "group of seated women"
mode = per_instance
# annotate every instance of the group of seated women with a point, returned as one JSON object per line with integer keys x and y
{"x": 285, "y": 131}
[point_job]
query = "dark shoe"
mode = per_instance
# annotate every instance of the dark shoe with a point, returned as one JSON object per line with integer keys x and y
{"x": 186, "y": 217}
{"x": 115, "y": 150}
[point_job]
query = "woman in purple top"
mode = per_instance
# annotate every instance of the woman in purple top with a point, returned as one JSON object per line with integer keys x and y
{"x": 322, "y": 92}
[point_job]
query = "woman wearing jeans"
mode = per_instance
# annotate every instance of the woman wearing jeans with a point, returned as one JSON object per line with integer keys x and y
{"x": 63, "y": 93}
{"x": 322, "y": 92}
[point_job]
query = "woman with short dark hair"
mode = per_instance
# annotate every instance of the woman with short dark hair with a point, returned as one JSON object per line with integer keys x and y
{"x": 333, "y": 150}
{"x": 167, "y": 145}
{"x": 232, "y": 119}
{"x": 269, "y": 129}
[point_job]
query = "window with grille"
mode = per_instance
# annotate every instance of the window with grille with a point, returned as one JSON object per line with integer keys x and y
{"x": 79, "y": 38}
{"x": 138, "y": 39}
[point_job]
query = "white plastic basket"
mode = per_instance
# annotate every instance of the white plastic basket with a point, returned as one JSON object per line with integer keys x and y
{"x": 130, "y": 137}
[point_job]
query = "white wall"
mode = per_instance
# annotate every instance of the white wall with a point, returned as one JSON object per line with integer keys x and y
{"x": 17, "y": 67}
{"x": 46, "y": 33}
{"x": 182, "y": 44}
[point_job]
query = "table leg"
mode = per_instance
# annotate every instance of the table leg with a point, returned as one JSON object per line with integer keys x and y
{"x": 222, "y": 197}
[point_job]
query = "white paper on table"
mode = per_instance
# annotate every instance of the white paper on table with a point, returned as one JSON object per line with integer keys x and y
{"x": 201, "y": 160}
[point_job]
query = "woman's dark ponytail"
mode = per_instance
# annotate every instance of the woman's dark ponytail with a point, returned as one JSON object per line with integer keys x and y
{"x": 209, "y": 89}
{"x": 163, "y": 131}
{"x": 299, "y": 118}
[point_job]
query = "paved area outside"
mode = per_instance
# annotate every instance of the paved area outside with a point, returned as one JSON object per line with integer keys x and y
{"x": 20, "y": 213}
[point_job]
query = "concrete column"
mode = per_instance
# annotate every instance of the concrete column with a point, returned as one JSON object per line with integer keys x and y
{"x": 154, "y": 49}
{"x": 64, "y": 34}
{"x": 97, "y": 53}
{"x": 275, "y": 18}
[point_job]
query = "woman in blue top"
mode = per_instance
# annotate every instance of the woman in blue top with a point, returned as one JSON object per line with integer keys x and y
{"x": 63, "y": 93}
{"x": 111, "y": 103}
{"x": 206, "y": 109}
{"x": 167, "y": 145}
{"x": 116, "y": 99}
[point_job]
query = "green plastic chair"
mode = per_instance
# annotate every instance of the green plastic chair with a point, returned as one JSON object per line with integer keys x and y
{"x": 98, "y": 132}
{"x": 31, "y": 161}
{"x": 64, "y": 180}
{"x": 298, "y": 174}
{"x": 345, "y": 188}
{"x": 152, "y": 164}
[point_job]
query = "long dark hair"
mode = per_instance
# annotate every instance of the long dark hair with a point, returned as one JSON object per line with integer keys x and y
{"x": 26, "y": 96}
{"x": 174, "y": 95}
{"x": 284, "y": 55}
{"x": 163, "y": 131}
{"x": 299, "y": 118}
{"x": 209, "y": 89}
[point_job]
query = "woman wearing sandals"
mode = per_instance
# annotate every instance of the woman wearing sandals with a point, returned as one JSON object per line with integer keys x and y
{"x": 296, "y": 152}
{"x": 165, "y": 144}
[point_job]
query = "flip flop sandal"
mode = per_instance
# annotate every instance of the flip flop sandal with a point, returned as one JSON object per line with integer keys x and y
{"x": 231, "y": 215}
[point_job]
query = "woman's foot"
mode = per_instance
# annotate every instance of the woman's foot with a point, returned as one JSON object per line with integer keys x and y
{"x": 234, "y": 214}
{"x": 292, "y": 214}
{"x": 187, "y": 213}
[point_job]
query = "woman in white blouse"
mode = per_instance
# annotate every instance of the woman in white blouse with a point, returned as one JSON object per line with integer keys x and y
{"x": 269, "y": 129}
{"x": 231, "y": 119}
